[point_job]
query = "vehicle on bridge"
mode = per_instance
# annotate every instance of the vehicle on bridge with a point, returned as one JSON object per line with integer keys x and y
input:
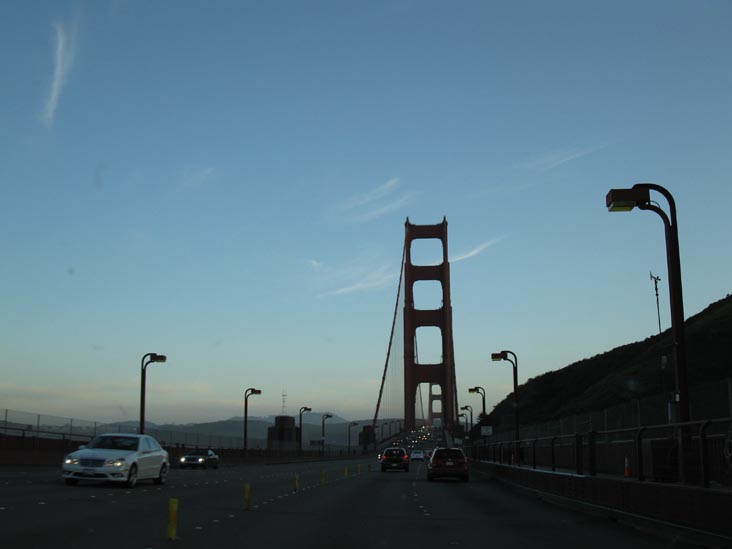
{"x": 394, "y": 458}
{"x": 118, "y": 457}
{"x": 200, "y": 458}
{"x": 417, "y": 455}
{"x": 448, "y": 462}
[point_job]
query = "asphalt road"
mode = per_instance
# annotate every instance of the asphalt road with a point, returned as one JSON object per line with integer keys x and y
{"x": 366, "y": 509}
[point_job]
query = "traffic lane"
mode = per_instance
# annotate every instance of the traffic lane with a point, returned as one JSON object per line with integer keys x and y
{"x": 366, "y": 511}
{"x": 466, "y": 513}
{"x": 91, "y": 515}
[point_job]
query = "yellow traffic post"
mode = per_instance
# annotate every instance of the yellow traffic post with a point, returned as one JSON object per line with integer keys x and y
{"x": 322, "y": 476}
{"x": 247, "y": 495}
{"x": 345, "y": 472}
{"x": 173, "y": 519}
{"x": 296, "y": 483}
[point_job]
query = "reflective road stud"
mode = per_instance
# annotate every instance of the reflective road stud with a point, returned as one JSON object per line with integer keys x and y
{"x": 173, "y": 519}
{"x": 247, "y": 495}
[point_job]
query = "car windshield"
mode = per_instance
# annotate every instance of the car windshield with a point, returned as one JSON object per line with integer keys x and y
{"x": 114, "y": 443}
{"x": 198, "y": 453}
{"x": 394, "y": 453}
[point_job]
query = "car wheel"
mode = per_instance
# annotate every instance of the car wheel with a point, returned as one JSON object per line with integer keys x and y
{"x": 430, "y": 478}
{"x": 132, "y": 476}
{"x": 383, "y": 469}
{"x": 71, "y": 481}
{"x": 163, "y": 476}
{"x": 216, "y": 465}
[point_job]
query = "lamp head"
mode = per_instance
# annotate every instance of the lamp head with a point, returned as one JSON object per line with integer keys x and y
{"x": 154, "y": 357}
{"x": 306, "y": 409}
{"x": 256, "y": 392}
{"x": 624, "y": 200}
{"x": 473, "y": 390}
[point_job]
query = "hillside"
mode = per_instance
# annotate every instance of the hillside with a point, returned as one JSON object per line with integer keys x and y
{"x": 627, "y": 372}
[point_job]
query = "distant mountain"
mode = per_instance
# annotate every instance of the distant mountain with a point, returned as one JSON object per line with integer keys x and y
{"x": 626, "y": 372}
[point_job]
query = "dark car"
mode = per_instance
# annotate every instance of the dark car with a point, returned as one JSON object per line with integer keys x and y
{"x": 394, "y": 458}
{"x": 200, "y": 458}
{"x": 448, "y": 462}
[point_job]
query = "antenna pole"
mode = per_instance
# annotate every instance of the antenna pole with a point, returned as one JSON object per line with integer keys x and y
{"x": 656, "y": 280}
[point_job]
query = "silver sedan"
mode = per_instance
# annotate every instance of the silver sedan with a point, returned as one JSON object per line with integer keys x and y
{"x": 118, "y": 457}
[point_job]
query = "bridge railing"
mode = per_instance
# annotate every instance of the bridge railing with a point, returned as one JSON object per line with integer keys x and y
{"x": 694, "y": 452}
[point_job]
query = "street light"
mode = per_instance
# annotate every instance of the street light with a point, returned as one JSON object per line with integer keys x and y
{"x": 624, "y": 200}
{"x": 354, "y": 424}
{"x": 299, "y": 438}
{"x": 152, "y": 357}
{"x": 322, "y": 429}
{"x": 249, "y": 392}
{"x": 503, "y": 355}
{"x": 481, "y": 392}
{"x": 470, "y": 409}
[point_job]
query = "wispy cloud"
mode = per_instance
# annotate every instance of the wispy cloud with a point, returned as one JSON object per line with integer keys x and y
{"x": 477, "y": 250}
{"x": 64, "y": 53}
{"x": 315, "y": 265}
{"x": 556, "y": 158}
{"x": 378, "y": 278}
{"x": 376, "y": 202}
{"x": 197, "y": 177}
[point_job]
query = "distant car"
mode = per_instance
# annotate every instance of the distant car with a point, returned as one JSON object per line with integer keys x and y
{"x": 448, "y": 462}
{"x": 394, "y": 458}
{"x": 417, "y": 455}
{"x": 117, "y": 457}
{"x": 200, "y": 458}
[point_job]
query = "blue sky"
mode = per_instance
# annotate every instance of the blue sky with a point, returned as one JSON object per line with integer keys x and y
{"x": 227, "y": 183}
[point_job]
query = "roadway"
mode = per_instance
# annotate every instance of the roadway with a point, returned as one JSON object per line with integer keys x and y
{"x": 369, "y": 509}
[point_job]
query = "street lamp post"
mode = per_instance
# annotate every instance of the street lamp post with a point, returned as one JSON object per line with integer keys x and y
{"x": 470, "y": 409}
{"x": 299, "y": 436}
{"x": 249, "y": 392}
{"x": 353, "y": 424}
{"x": 503, "y": 355}
{"x": 481, "y": 392}
{"x": 151, "y": 357}
{"x": 322, "y": 429}
{"x": 624, "y": 200}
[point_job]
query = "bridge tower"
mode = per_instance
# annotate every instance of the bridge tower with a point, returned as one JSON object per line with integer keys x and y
{"x": 433, "y": 397}
{"x": 443, "y": 373}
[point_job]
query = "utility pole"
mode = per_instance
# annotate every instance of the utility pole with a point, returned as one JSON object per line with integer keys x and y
{"x": 656, "y": 280}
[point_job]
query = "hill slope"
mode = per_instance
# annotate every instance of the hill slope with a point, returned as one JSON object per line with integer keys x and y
{"x": 626, "y": 372}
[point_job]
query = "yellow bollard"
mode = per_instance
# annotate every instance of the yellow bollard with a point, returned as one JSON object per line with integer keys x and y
{"x": 345, "y": 472}
{"x": 322, "y": 476}
{"x": 247, "y": 495}
{"x": 172, "y": 519}
{"x": 297, "y": 483}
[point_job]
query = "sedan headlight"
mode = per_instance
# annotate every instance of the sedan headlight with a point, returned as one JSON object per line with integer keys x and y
{"x": 71, "y": 461}
{"x": 119, "y": 462}
{"x": 200, "y": 460}
{"x": 183, "y": 459}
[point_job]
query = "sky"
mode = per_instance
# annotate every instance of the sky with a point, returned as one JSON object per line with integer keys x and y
{"x": 227, "y": 183}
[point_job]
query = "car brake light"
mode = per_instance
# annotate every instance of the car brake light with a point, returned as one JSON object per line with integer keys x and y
{"x": 405, "y": 456}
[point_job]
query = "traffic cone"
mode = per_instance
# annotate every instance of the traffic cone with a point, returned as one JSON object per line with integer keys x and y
{"x": 626, "y": 471}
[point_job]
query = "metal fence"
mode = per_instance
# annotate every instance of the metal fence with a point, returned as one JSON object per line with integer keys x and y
{"x": 693, "y": 452}
{"x": 56, "y": 427}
